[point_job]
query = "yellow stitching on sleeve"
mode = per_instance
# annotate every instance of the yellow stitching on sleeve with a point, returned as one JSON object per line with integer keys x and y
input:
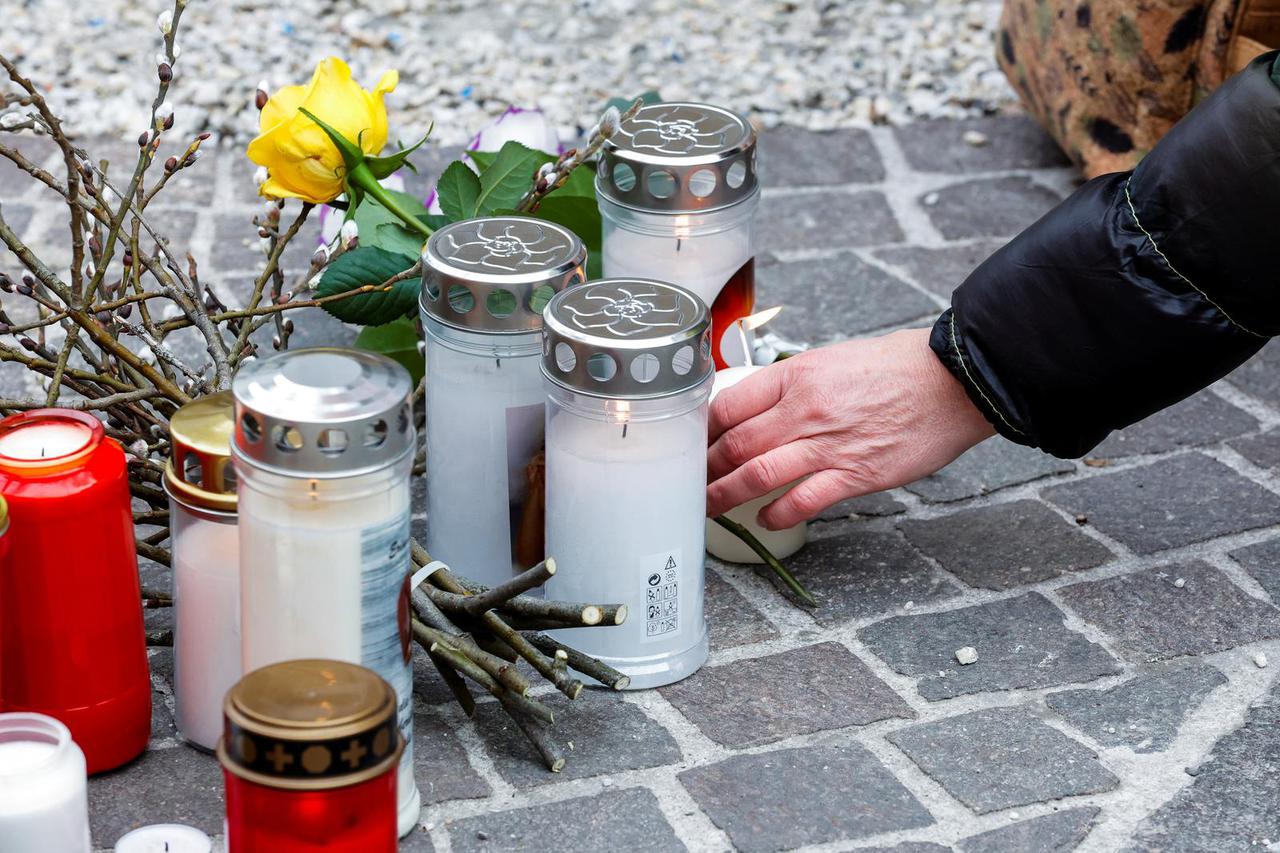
{"x": 1134, "y": 213}
{"x": 955, "y": 344}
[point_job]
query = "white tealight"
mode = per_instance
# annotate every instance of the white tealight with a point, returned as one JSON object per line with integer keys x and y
{"x": 44, "y": 440}
{"x": 43, "y": 798}
{"x": 164, "y": 838}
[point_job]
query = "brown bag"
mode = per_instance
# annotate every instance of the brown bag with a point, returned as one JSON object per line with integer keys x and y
{"x": 1108, "y": 78}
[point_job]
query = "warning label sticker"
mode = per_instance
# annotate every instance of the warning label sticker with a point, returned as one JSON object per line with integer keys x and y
{"x": 662, "y": 594}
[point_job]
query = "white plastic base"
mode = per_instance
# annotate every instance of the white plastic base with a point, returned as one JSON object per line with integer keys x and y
{"x": 408, "y": 814}
{"x": 664, "y": 669}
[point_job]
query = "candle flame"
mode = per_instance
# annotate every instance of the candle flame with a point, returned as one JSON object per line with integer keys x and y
{"x": 755, "y": 321}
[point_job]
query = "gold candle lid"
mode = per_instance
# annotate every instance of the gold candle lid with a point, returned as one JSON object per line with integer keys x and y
{"x": 310, "y": 725}
{"x": 199, "y": 471}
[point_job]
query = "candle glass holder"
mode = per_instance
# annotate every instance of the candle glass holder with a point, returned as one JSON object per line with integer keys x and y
{"x": 71, "y": 634}
{"x": 43, "y": 793}
{"x": 678, "y": 192}
{"x": 484, "y": 285}
{"x": 628, "y": 371}
{"x": 323, "y": 448}
{"x": 200, "y": 481}
{"x": 309, "y": 755}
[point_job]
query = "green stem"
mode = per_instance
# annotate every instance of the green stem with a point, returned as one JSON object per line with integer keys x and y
{"x": 363, "y": 178}
{"x": 771, "y": 561}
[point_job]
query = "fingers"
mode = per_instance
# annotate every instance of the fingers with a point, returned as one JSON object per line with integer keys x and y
{"x": 758, "y": 393}
{"x": 805, "y": 500}
{"x": 759, "y": 476}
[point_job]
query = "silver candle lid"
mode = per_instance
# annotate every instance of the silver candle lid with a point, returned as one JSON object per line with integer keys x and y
{"x": 496, "y": 274}
{"x": 322, "y": 412}
{"x": 628, "y": 338}
{"x": 679, "y": 158}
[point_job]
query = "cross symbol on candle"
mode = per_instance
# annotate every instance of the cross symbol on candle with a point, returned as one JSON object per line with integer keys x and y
{"x": 278, "y": 757}
{"x": 353, "y": 754}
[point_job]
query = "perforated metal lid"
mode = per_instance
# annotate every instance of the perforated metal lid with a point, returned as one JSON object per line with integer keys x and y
{"x": 198, "y": 472}
{"x": 496, "y": 274}
{"x": 679, "y": 158}
{"x": 322, "y": 412}
{"x": 627, "y": 338}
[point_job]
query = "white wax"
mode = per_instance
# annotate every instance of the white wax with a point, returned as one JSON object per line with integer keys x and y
{"x": 722, "y": 544}
{"x": 206, "y": 637}
{"x": 44, "y": 440}
{"x": 703, "y": 263}
{"x": 164, "y": 838}
{"x": 620, "y": 513}
{"x": 484, "y": 424}
{"x": 43, "y": 802}
{"x": 321, "y": 564}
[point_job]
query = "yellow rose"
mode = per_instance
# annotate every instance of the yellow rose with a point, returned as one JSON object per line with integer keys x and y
{"x": 301, "y": 160}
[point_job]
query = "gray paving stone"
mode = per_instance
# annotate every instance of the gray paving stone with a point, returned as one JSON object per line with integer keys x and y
{"x": 237, "y": 247}
{"x": 1021, "y": 642}
{"x": 17, "y": 216}
{"x": 873, "y": 505}
{"x": 440, "y": 763}
{"x": 760, "y": 700}
{"x": 989, "y": 207}
{"x": 827, "y": 220}
{"x": 1006, "y": 545}
{"x": 1013, "y": 142}
{"x": 429, "y": 160}
{"x": 1059, "y": 832}
{"x": 992, "y": 465}
{"x": 791, "y": 157}
{"x": 1233, "y": 803}
{"x": 855, "y": 573}
{"x": 832, "y": 793}
{"x": 1003, "y": 757}
{"x": 1203, "y": 418}
{"x": 731, "y": 619}
{"x": 1169, "y": 503}
{"x": 628, "y": 819}
{"x": 939, "y": 269}
{"x": 1149, "y": 618}
{"x": 1260, "y": 375}
{"x": 163, "y": 725}
{"x": 608, "y": 734}
{"x": 175, "y": 785}
{"x": 13, "y": 181}
{"x": 427, "y": 685}
{"x": 1262, "y": 450}
{"x": 837, "y": 298}
{"x": 1262, "y": 561}
{"x": 417, "y": 841}
{"x": 1144, "y": 713}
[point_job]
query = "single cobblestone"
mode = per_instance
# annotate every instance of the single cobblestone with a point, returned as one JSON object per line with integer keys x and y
{"x": 1021, "y": 642}
{"x": 826, "y": 793}
{"x": 175, "y": 785}
{"x": 939, "y": 269}
{"x": 1007, "y": 545}
{"x": 1151, "y": 508}
{"x": 877, "y": 504}
{"x": 1013, "y": 142}
{"x": 1262, "y": 562}
{"x": 1003, "y": 757}
{"x": 1262, "y": 450}
{"x": 1203, "y": 418}
{"x": 1260, "y": 375}
{"x": 789, "y": 157}
{"x": 1151, "y": 619}
{"x": 731, "y": 618}
{"x": 993, "y": 465}
{"x": 1144, "y": 713}
{"x": 760, "y": 700}
{"x": 1059, "y": 832}
{"x": 988, "y": 207}
{"x": 826, "y": 220}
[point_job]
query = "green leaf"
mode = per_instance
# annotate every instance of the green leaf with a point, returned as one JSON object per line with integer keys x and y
{"x": 581, "y": 216}
{"x": 384, "y": 166}
{"x": 350, "y": 151}
{"x": 398, "y": 340}
{"x": 624, "y": 104}
{"x": 435, "y": 221}
{"x": 484, "y": 159}
{"x": 381, "y": 228}
{"x": 458, "y": 190}
{"x": 368, "y": 265}
{"x": 508, "y": 178}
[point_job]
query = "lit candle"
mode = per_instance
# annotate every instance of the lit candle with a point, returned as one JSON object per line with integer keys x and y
{"x": 43, "y": 801}
{"x": 71, "y": 632}
{"x": 628, "y": 372}
{"x": 678, "y": 192}
{"x": 164, "y": 838}
{"x": 323, "y": 447}
{"x": 484, "y": 284}
{"x": 206, "y": 566}
{"x": 724, "y": 545}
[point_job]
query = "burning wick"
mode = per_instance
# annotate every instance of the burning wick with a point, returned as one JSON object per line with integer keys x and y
{"x": 740, "y": 328}
{"x": 621, "y": 412}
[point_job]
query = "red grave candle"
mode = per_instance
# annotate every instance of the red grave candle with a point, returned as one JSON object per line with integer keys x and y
{"x": 71, "y": 637}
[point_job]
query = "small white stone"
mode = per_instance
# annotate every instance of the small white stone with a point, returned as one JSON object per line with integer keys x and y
{"x": 606, "y": 782}
{"x": 967, "y": 655}
{"x": 975, "y": 138}
{"x": 1260, "y": 660}
{"x": 1180, "y": 583}
{"x": 908, "y": 605}
{"x": 930, "y": 200}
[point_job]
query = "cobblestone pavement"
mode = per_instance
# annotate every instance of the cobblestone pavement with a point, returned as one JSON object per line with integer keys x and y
{"x": 1120, "y": 606}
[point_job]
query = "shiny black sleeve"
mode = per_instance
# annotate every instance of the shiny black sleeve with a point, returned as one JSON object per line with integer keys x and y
{"x": 1138, "y": 290}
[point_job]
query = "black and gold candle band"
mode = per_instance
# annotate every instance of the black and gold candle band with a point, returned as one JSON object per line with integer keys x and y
{"x": 309, "y": 763}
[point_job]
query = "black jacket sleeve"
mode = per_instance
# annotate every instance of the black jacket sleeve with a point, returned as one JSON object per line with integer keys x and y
{"x": 1139, "y": 289}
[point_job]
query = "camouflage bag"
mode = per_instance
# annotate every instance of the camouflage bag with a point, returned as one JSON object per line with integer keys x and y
{"x": 1108, "y": 78}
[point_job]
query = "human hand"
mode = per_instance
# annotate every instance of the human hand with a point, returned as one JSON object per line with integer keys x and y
{"x": 854, "y": 418}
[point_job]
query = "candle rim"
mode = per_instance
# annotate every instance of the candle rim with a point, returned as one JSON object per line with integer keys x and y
{"x": 94, "y": 433}
{"x": 32, "y": 724}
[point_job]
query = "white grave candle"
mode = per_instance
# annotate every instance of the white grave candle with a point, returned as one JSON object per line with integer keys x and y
{"x": 484, "y": 284}
{"x": 164, "y": 838}
{"x": 323, "y": 447}
{"x": 43, "y": 801}
{"x": 628, "y": 372}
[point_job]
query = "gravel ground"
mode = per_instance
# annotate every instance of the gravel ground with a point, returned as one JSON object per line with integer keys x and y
{"x": 812, "y": 64}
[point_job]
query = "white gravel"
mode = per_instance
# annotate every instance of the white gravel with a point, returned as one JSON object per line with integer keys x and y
{"x": 812, "y": 63}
